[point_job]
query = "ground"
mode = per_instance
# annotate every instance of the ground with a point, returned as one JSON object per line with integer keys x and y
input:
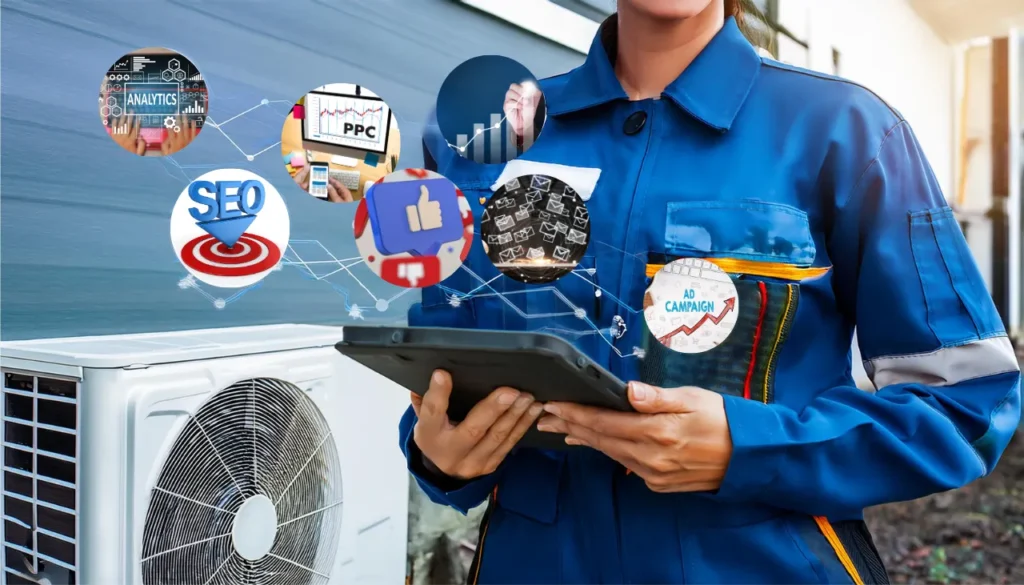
{"x": 973, "y": 535}
{"x": 970, "y": 536}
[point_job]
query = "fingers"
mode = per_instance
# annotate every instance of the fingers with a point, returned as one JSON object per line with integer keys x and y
{"x": 522, "y": 425}
{"x": 140, "y": 147}
{"x": 332, "y": 194}
{"x": 626, "y": 425}
{"x": 341, "y": 191}
{"x": 486, "y": 412}
{"x": 652, "y": 399}
{"x": 514, "y": 93}
{"x": 416, "y": 400}
{"x": 500, "y": 430}
{"x": 434, "y": 405}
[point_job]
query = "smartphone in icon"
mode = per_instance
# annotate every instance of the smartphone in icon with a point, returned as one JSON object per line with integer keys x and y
{"x": 319, "y": 173}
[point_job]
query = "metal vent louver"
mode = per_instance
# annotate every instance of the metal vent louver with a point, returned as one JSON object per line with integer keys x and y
{"x": 250, "y": 493}
{"x": 40, "y": 478}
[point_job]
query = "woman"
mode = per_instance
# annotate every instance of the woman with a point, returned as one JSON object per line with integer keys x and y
{"x": 752, "y": 462}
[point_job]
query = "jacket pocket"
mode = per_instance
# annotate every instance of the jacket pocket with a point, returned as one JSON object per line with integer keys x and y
{"x": 955, "y": 296}
{"x": 767, "y": 249}
{"x": 523, "y": 515}
{"x": 766, "y": 552}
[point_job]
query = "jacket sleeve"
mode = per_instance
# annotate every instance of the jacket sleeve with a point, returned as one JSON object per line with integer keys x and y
{"x": 948, "y": 382}
{"x": 433, "y": 311}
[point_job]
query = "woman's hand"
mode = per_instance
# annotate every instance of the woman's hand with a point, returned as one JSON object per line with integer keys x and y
{"x": 677, "y": 441}
{"x": 337, "y": 192}
{"x": 520, "y": 108}
{"x": 476, "y": 446}
{"x": 177, "y": 140}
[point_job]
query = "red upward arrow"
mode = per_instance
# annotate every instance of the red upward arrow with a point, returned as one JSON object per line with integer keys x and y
{"x": 730, "y": 304}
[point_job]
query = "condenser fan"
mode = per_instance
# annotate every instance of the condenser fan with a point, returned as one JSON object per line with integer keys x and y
{"x": 250, "y": 493}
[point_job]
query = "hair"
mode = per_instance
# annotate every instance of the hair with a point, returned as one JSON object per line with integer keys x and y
{"x": 752, "y": 22}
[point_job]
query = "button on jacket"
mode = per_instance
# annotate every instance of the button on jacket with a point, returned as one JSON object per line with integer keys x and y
{"x": 815, "y": 196}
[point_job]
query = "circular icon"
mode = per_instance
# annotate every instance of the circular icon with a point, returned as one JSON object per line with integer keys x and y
{"x": 153, "y": 102}
{"x": 229, "y": 228}
{"x": 535, "y": 229}
{"x": 339, "y": 139}
{"x": 490, "y": 109}
{"x": 691, "y": 305}
{"x": 414, "y": 228}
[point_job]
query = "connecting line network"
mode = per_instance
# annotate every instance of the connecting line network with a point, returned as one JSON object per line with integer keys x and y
{"x": 312, "y": 269}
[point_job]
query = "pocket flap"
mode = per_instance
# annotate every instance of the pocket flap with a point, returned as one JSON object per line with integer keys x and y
{"x": 747, "y": 229}
{"x": 529, "y": 485}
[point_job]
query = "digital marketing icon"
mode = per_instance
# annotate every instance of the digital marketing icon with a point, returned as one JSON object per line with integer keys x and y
{"x": 414, "y": 228}
{"x": 337, "y": 140}
{"x": 153, "y": 102}
{"x": 490, "y": 109}
{"x": 691, "y": 305}
{"x": 535, "y": 229}
{"x": 230, "y": 228}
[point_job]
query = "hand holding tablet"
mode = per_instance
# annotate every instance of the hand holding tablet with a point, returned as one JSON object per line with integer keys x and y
{"x": 545, "y": 367}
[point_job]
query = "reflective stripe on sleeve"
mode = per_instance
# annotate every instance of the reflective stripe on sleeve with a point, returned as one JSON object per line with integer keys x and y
{"x": 945, "y": 366}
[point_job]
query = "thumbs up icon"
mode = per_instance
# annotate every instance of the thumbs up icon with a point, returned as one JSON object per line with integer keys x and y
{"x": 426, "y": 214}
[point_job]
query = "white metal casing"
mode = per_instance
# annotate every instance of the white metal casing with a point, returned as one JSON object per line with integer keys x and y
{"x": 136, "y": 392}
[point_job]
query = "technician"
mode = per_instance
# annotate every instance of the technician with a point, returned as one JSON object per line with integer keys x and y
{"x": 817, "y": 197}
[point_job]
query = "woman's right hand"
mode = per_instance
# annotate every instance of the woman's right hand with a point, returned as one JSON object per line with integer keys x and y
{"x": 476, "y": 446}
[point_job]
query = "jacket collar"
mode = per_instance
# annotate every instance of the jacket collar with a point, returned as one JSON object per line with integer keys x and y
{"x": 712, "y": 89}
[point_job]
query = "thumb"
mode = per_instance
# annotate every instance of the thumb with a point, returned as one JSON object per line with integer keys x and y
{"x": 424, "y": 195}
{"x": 653, "y": 400}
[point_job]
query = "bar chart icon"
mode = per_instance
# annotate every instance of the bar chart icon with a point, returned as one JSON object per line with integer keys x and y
{"x": 195, "y": 108}
{"x": 493, "y": 143}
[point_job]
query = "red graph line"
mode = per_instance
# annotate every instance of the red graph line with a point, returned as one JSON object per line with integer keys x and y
{"x": 730, "y": 304}
{"x": 347, "y": 110}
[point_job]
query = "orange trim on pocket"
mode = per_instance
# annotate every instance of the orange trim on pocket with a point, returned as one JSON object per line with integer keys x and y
{"x": 837, "y": 545}
{"x": 755, "y": 268}
{"x": 483, "y": 537}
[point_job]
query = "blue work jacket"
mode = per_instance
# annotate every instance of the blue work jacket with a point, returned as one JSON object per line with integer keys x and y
{"x": 817, "y": 199}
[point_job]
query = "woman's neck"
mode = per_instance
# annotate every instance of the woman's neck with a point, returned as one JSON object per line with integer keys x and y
{"x": 652, "y": 53}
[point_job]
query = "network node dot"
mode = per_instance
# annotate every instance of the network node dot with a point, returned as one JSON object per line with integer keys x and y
{"x": 250, "y": 157}
{"x": 264, "y": 102}
{"x": 597, "y": 293}
{"x": 382, "y": 305}
{"x": 580, "y": 313}
{"x": 220, "y": 304}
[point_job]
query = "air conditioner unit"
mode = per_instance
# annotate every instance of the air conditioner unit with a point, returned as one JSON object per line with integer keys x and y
{"x": 237, "y": 456}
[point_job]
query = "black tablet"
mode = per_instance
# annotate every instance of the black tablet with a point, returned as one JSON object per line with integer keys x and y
{"x": 547, "y": 367}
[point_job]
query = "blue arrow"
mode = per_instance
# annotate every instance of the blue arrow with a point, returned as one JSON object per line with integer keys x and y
{"x": 227, "y": 231}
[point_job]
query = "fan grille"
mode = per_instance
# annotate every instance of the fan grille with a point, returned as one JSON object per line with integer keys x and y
{"x": 259, "y": 437}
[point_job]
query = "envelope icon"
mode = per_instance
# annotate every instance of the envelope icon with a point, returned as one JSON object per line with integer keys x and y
{"x": 493, "y": 239}
{"x": 504, "y": 239}
{"x": 576, "y": 237}
{"x": 535, "y": 253}
{"x": 548, "y": 229}
{"x": 517, "y": 252}
{"x": 544, "y": 215}
{"x": 507, "y": 255}
{"x": 561, "y": 253}
{"x": 522, "y": 215}
{"x": 505, "y": 222}
{"x": 549, "y": 238}
{"x": 534, "y": 196}
{"x": 527, "y": 207}
{"x": 523, "y": 234}
{"x": 580, "y": 223}
{"x": 556, "y": 207}
{"x": 561, "y": 228}
{"x": 486, "y": 217}
{"x": 504, "y": 202}
{"x": 512, "y": 185}
{"x": 582, "y": 213}
{"x": 540, "y": 183}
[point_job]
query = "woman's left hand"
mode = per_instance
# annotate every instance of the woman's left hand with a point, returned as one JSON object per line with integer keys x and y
{"x": 678, "y": 439}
